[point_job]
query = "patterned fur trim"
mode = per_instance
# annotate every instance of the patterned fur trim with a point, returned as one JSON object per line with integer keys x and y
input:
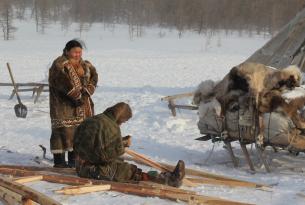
{"x": 74, "y": 94}
{"x": 57, "y": 123}
{"x": 90, "y": 89}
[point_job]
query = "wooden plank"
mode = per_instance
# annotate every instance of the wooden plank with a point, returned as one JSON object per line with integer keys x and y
{"x": 134, "y": 189}
{"x": 77, "y": 190}
{"x": 26, "y": 192}
{"x": 173, "y": 97}
{"x": 155, "y": 165}
{"x": 23, "y": 180}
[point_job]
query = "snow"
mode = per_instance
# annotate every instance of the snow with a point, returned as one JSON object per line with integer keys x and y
{"x": 140, "y": 71}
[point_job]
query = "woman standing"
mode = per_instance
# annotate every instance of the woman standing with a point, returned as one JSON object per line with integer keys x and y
{"x": 72, "y": 82}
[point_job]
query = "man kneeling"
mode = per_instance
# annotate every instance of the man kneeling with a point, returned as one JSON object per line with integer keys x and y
{"x": 98, "y": 145}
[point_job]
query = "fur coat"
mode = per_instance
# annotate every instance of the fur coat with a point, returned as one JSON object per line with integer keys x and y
{"x": 70, "y": 94}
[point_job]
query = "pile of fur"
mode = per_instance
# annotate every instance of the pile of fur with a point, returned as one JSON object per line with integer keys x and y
{"x": 256, "y": 103}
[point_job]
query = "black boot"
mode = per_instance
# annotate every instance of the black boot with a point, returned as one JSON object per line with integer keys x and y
{"x": 60, "y": 161}
{"x": 172, "y": 178}
{"x": 71, "y": 159}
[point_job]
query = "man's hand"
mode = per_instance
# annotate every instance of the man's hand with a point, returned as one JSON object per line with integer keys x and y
{"x": 127, "y": 141}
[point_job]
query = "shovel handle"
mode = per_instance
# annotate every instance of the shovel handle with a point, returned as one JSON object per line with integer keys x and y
{"x": 13, "y": 81}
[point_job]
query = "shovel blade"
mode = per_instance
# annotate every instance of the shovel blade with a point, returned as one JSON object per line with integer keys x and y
{"x": 21, "y": 110}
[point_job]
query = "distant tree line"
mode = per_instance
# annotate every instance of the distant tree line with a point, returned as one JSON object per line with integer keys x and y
{"x": 201, "y": 16}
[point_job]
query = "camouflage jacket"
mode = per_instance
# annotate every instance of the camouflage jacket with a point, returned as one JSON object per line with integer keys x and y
{"x": 66, "y": 87}
{"x": 98, "y": 140}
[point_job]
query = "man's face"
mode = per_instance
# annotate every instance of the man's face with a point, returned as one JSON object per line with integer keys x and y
{"x": 121, "y": 121}
{"x": 75, "y": 53}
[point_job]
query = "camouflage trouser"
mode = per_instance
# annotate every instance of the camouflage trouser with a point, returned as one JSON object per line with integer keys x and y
{"x": 117, "y": 170}
{"x": 62, "y": 139}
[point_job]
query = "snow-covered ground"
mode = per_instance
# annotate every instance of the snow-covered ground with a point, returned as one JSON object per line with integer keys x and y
{"x": 139, "y": 71}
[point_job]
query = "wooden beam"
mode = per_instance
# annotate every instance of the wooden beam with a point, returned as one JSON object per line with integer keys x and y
{"x": 23, "y": 180}
{"x": 27, "y": 192}
{"x": 76, "y": 190}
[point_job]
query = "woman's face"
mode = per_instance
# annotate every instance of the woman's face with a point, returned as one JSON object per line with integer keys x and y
{"x": 75, "y": 53}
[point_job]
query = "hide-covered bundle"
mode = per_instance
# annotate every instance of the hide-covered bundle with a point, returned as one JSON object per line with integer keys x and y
{"x": 254, "y": 103}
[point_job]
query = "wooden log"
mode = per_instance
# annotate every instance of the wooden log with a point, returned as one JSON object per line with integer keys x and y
{"x": 77, "y": 190}
{"x": 23, "y": 180}
{"x": 134, "y": 189}
{"x": 26, "y": 192}
{"x": 155, "y": 165}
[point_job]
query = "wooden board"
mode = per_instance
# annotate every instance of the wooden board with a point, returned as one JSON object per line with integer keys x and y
{"x": 27, "y": 193}
{"x": 76, "y": 190}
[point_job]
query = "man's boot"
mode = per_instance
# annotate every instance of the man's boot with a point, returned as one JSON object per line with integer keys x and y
{"x": 170, "y": 178}
{"x": 71, "y": 159}
{"x": 60, "y": 161}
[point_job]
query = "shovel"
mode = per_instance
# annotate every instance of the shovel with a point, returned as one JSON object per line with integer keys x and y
{"x": 20, "y": 109}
